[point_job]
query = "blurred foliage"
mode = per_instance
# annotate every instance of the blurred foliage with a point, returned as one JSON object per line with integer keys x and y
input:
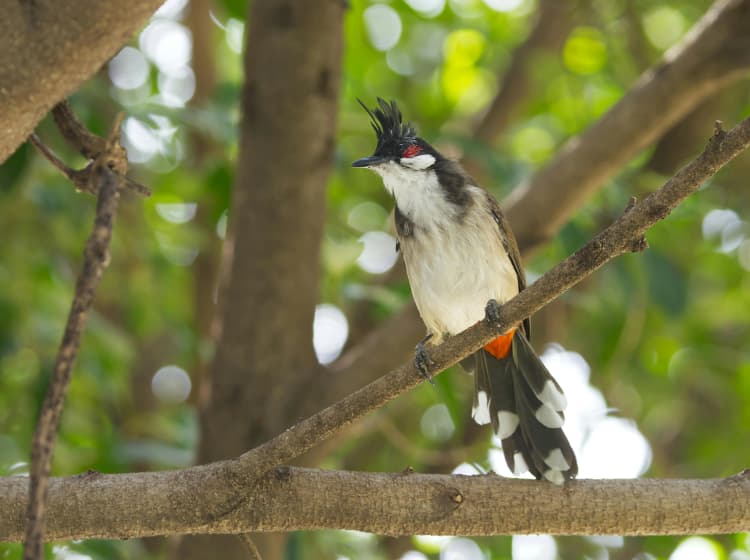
{"x": 665, "y": 333}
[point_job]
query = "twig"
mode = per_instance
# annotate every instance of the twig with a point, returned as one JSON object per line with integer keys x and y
{"x": 105, "y": 182}
{"x": 624, "y": 235}
{"x": 90, "y": 146}
{"x": 51, "y": 157}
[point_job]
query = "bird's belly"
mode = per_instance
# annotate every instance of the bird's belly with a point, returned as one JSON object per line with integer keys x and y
{"x": 453, "y": 277}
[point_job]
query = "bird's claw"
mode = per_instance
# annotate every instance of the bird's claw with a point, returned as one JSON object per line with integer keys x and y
{"x": 492, "y": 312}
{"x": 423, "y": 362}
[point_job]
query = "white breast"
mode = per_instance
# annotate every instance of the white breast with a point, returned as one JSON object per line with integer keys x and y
{"x": 455, "y": 265}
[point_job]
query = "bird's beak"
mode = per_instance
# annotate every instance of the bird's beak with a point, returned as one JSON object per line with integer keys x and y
{"x": 369, "y": 161}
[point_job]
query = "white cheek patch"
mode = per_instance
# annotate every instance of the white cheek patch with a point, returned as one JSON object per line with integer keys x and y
{"x": 418, "y": 163}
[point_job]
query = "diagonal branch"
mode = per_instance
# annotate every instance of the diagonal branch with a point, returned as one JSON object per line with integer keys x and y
{"x": 552, "y": 26}
{"x": 105, "y": 182}
{"x": 712, "y": 55}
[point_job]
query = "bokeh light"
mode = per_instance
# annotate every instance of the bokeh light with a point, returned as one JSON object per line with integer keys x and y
{"x": 504, "y": 5}
{"x": 414, "y": 555}
{"x": 585, "y": 51}
{"x": 168, "y": 44}
{"x": 139, "y": 140}
{"x": 697, "y": 548}
{"x": 128, "y": 69}
{"x": 606, "y": 446}
{"x": 177, "y": 87}
{"x": 379, "y": 252}
{"x": 427, "y": 8}
{"x": 724, "y": 225}
{"x": 383, "y": 25}
{"x": 176, "y": 212}
{"x": 461, "y": 549}
{"x": 235, "y": 33}
{"x": 437, "y": 423}
{"x": 171, "y": 384}
{"x": 171, "y": 9}
{"x": 330, "y": 331}
{"x": 664, "y": 26}
{"x": 534, "y": 547}
{"x": 367, "y": 216}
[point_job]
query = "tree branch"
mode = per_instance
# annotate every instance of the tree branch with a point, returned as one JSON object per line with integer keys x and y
{"x": 714, "y": 53}
{"x": 201, "y": 499}
{"x": 104, "y": 181}
{"x": 289, "y": 102}
{"x": 90, "y": 146}
{"x": 164, "y": 503}
{"x": 49, "y": 48}
{"x": 551, "y": 27}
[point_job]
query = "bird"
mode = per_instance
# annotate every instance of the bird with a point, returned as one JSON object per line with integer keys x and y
{"x": 463, "y": 262}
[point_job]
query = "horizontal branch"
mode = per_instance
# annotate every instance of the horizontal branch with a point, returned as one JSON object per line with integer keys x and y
{"x": 553, "y": 24}
{"x": 141, "y": 505}
{"x": 201, "y": 498}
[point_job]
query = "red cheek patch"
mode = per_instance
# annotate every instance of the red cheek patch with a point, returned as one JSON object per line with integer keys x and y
{"x": 411, "y": 151}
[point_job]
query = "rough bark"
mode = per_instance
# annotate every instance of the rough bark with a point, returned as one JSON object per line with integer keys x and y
{"x": 271, "y": 257}
{"x": 49, "y": 48}
{"x": 287, "y": 499}
{"x": 713, "y": 54}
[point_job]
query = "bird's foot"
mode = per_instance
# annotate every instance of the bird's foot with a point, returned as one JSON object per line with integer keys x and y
{"x": 422, "y": 360}
{"x": 492, "y": 312}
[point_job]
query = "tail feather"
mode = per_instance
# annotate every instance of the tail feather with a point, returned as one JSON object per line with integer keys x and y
{"x": 524, "y": 404}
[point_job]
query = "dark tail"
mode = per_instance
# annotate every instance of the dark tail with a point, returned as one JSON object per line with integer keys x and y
{"x": 524, "y": 404}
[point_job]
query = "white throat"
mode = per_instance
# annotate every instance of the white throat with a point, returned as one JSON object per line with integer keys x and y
{"x": 418, "y": 193}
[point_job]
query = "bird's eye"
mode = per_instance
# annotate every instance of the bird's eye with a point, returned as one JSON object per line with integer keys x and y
{"x": 410, "y": 151}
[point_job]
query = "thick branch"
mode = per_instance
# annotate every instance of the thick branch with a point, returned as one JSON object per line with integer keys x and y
{"x": 49, "y": 48}
{"x": 714, "y": 53}
{"x": 289, "y": 499}
{"x": 549, "y": 31}
{"x": 287, "y": 137}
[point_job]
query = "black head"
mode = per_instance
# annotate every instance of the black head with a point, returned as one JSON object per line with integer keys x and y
{"x": 397, "y": 139}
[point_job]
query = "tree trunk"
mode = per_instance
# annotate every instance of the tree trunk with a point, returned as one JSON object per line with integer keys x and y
{"x": 271, "y": 256}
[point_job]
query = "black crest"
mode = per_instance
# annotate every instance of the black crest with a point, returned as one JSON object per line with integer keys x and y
{"x": 389, "y": 126}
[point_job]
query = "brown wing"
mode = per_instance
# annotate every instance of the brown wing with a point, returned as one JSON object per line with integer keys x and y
{"x": 511, "y": 247}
